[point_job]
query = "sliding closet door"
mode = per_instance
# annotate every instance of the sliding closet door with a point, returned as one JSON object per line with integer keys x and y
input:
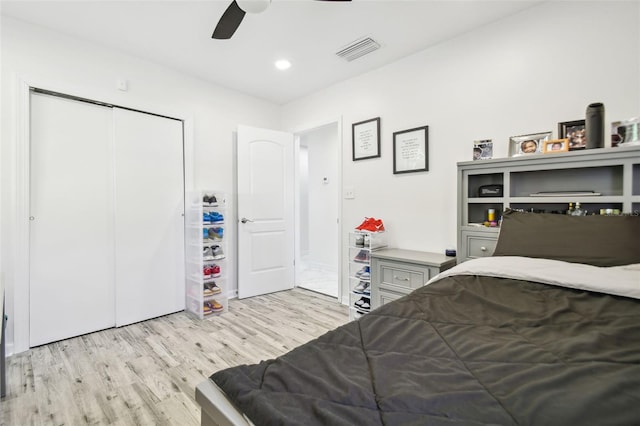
{"x": 71, "y": 249}
{"x": 149, "y": 219}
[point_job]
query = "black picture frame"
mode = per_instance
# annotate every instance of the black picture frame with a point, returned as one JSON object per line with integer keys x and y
{"x": 365, "y": 139}
{"x": 576, "y": 132}
{"x": 411, "y": 150}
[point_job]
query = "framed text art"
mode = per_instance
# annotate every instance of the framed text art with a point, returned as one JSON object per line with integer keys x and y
{"x": 366, "y": 139}
{"x": 410, "y": 150}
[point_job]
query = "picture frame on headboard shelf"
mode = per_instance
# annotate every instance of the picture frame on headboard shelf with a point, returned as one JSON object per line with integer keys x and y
{"x": 576, "y": 132}
{"x": 555, "y": 146}
{"x": 482, "y": 149}
{"x": 530, "y": 144}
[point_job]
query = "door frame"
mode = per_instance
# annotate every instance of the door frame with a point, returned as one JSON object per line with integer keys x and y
{"x": 15, "y": 226}
{"x": 296, "y": 153}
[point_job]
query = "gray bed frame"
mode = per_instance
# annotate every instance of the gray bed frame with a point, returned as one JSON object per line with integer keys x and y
{"x": 217, "y": 409}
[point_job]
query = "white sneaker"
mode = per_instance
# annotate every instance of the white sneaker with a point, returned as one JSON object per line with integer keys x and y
{"x": 207, "y": 253}
{"x": 362, "y": 287}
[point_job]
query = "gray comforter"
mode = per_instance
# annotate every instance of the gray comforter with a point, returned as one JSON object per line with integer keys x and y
{"x": 465, "y": 350}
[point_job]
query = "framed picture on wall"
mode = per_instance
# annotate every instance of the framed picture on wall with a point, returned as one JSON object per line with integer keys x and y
{"x": 575, "y": 131}
{"x": 366, "y": 139}
{"x": 527, "y": 144}
{"x": 411, "y": 150}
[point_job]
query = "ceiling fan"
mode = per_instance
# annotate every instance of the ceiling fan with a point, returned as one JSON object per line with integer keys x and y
{"x": 232, "y": 17}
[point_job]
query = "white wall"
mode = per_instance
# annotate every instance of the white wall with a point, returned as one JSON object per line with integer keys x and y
{"x": 41, "y": 55}
{"x": 523, "y": 74}
{"x": 323, "y": 150}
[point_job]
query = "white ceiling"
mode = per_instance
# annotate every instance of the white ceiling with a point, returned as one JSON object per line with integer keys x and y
{"x": 177, "y": 34}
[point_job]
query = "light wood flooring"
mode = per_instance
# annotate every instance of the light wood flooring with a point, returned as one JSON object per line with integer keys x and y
{"x": 146, "y": 373}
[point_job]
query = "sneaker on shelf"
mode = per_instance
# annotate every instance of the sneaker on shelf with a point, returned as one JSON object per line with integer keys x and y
{"x": 216, "y": 217}
{"x": 206, "y": 309}
{"x": 216, "y": 233}
{"x": 363, "y": 303}
{"x": 207, "y": 253}
{"x": 359, "y": 240}
{"x": 207, "y": 271}
{"x": 205, "y": 234}
{"x": 374, "y": 225}
{"x": 365, "y": 223}
{"x": 366, "y": 240}
{"x": 215, "y": 271}
{"x": 364, "y": 273}
{"x": 206, "y": 217}
{"x": 209, "y": 200}
{"x": 214, "y": 305}
{"x": 216, "y": 252}
{"x": 362, "y": 287}
{"x": 211, "y": 288}
{"x": 362, "y": 257}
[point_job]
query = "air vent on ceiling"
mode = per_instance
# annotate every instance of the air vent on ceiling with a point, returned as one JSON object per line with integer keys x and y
{"x": 358, "y": 49}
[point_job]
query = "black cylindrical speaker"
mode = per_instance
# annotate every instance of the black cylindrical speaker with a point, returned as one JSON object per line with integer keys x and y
{"x": 595, "y": 125}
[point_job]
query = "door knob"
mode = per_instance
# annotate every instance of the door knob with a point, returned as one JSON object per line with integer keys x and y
{"x": 245, "y": 220}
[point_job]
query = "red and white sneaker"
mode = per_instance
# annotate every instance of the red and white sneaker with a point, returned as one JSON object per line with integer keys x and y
{"x": 215, "y": 271}
{"x": 373, "y": 225}
{"x": 365, "y": 223}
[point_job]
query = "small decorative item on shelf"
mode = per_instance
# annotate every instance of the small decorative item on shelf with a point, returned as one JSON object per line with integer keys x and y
{"x": 555, "y": 145}
{"x": 595, "y": 125}
{"x": 527, "y": 144}
{"x": 483, "y": 149}
{"x": 626, "y": 132}
{"x": 576, "y": 133}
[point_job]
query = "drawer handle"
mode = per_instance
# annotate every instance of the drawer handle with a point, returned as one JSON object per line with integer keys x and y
{"x": 483, "y": 248}
{"x": 400, "y": 278}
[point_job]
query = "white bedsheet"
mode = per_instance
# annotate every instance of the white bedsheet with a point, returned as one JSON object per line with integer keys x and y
{"x": 617, "y": 280}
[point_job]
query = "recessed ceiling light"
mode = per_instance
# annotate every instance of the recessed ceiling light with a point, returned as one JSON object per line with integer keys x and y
{"x": 283, "y": 64}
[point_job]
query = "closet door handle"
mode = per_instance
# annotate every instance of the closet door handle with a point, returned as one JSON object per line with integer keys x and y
{"x": 245, "y": 220}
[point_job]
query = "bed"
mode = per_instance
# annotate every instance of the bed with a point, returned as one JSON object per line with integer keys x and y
{"x": 545, "y": 332}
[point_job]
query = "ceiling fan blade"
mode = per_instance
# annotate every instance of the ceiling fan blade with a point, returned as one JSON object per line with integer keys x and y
{"x": 229, "y": 22}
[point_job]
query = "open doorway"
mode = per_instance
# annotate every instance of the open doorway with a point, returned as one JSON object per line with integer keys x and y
{"x": 318, "y": 210}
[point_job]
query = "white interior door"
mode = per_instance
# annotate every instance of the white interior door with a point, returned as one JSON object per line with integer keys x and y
{"x": 71, "y": 250}
{"x": 265, "y": 211}
{"x": 149, "y": 216}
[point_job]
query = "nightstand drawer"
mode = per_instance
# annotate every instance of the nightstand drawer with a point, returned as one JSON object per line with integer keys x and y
{"x": 402, "y": 275}
{"x": 480, "y": 246}
{"x": 384, "y": 295}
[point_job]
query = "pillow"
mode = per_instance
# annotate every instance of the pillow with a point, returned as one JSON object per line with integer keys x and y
{"x": 594, "y": 240}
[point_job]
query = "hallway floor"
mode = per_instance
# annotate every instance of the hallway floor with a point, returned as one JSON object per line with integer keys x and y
{"x": 317, "y": 278}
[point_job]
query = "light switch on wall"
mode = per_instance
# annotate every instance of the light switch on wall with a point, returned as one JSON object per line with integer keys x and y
{"x": 349, "y": 193}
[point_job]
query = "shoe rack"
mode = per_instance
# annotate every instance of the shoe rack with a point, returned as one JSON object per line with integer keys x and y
{"x": 206, "y": 289}
{"x": 361, "y": 244}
